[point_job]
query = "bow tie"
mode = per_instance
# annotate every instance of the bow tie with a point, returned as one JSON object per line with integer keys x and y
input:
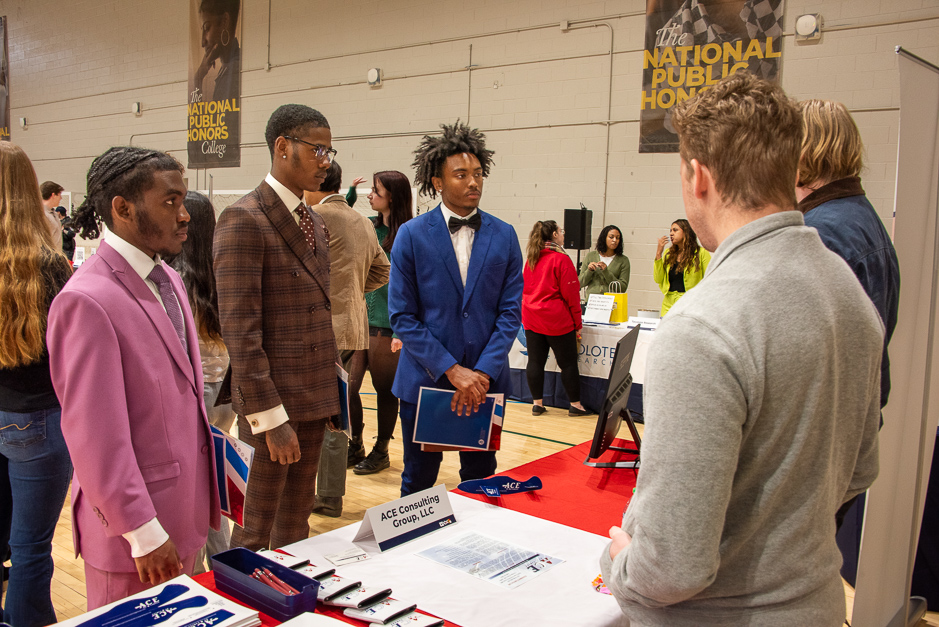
{"x": 473, "y": 222}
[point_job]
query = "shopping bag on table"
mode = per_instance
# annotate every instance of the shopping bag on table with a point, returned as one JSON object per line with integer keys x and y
{"x": 620, "y": 313}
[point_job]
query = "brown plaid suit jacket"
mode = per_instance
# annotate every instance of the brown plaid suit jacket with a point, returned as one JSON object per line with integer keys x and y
{"x": 273, "y": 300}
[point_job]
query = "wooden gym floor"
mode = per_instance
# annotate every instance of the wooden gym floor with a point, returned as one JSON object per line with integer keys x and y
{"x": 525, "y": 439}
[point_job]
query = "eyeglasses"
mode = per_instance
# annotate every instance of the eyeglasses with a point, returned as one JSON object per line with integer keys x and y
{"x": 321, "y": 152}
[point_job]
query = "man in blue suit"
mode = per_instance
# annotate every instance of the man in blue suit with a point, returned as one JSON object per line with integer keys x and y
{"x": 454, "y": 296}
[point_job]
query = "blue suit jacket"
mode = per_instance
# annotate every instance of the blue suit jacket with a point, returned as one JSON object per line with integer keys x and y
{"x": 440, "y": 322}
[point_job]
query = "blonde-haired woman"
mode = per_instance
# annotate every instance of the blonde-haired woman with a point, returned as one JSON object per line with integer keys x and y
{"x": 35, "y": 468}
{"x": 551, "y": 314}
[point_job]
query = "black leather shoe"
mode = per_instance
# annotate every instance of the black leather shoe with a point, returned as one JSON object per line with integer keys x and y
{"x": 537, "y": 410}
{"x": 356, "y": 453}
{"x": 574, "y": 411}
{"x": 328, "y": 506}
{"x": 375, "y": 462}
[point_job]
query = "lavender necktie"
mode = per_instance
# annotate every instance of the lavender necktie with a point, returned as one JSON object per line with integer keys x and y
{"x": 158, "y": 275}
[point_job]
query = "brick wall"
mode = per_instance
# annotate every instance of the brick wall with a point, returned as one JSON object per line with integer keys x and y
{"x": 539, "y": 93}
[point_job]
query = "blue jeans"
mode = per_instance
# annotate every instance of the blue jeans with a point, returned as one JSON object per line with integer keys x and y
{"x": 35, "y": 470}
{"x": 420, "y": 468}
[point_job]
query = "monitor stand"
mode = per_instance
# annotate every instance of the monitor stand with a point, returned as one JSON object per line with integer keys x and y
{"x": 628, "y": 419}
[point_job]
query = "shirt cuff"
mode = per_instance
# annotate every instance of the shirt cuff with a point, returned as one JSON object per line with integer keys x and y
{"x": 146, "y": 538}
{"x": 267, "y": 419}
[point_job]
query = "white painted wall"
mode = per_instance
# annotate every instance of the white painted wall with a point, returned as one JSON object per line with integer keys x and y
{"x": 539, "y": 94}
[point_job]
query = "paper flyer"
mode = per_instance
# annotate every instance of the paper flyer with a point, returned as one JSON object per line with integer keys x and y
{"x": 233, "y": 465}
{"x": 490, "y": 559}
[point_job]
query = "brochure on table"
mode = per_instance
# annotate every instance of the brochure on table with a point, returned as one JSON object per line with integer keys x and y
{"x": 480, "y": 603}
{"x": 407, "y": 518}
{"x": 177, "y": 603}
{"x": 489, "y": 559}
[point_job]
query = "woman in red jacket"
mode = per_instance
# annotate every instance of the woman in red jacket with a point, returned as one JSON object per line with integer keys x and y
{"x": 551, "y": 314}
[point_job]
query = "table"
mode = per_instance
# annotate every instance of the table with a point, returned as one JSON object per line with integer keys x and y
{"x": 594, "y": 362}
{"x": 576, "y": 496}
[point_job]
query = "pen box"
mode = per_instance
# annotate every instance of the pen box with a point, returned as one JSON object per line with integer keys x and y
{"x": 233, "y": 570}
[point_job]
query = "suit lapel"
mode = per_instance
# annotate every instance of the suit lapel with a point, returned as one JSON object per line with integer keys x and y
{"x": 153, "y": 308}
{"x": 439, "y": 235}
{"x": 481, "y": 242}
{"x": 282, "y": 219}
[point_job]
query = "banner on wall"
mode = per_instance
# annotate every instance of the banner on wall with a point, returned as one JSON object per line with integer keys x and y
{"x": 214, "y": 101}
{"x": 691, "y": 45}
{"x": 4, "y": 82}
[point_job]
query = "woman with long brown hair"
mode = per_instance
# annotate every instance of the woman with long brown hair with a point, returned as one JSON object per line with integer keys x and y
{"x": 194, "y": 265}
{"x": 551, "y": 314}
{"x": 35, "y": 468}
{"x": 682, "y": 266}
{"x": 390, "y": 198}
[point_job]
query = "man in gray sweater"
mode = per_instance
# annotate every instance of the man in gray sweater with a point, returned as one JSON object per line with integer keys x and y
{"x": 761, "y": 392}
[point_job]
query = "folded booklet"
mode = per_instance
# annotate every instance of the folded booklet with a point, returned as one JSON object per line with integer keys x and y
{"x": 439, "y": 428}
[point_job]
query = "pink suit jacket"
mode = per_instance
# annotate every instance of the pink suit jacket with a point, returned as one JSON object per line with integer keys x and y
{"x": 132, "y": 413}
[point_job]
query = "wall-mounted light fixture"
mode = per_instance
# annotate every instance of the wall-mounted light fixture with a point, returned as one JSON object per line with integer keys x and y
{"x": 374, "y": 77}
{"x": 809, "y": 27}
{"x": 23, "y": 123}
{"x": 135, "y": 108}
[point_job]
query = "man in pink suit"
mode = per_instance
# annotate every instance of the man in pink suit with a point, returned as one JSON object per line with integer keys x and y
{"x": 125, "y": 363}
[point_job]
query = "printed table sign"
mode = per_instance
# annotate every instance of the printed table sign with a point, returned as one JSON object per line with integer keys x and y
{"x": 407, "y": 518}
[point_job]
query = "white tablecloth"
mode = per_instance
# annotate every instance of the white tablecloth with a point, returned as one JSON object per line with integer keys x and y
{"x": 559, "y": 597}
{"x": 596, "y": 352}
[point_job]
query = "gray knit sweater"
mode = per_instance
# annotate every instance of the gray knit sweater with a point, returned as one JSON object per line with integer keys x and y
{"x": 762, "y": 411}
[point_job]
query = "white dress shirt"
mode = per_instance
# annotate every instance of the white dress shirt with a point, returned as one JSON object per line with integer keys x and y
{"x": 462, "y": 240}
{"x": 149, "y": 536}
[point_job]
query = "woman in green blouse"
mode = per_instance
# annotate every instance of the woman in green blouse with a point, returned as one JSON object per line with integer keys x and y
{"x": 605, "y": 264}
{"x": 682, "y": 266}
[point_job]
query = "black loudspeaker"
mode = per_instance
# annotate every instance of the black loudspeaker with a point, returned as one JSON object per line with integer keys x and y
{"x": 577, "y": 225}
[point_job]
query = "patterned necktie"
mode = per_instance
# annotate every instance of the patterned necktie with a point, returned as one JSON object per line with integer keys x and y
{"x": 306, "y": 225}
{"x": 159, "y": 276}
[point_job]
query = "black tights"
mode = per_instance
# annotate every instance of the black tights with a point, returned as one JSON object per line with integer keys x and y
{"x": 383, "y": 364}
{"x": 565, "y": 351}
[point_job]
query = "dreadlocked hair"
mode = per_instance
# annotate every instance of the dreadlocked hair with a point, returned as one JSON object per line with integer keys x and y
{"x": 125, "y": 171}
{"x": 433, "y": 152}
{"x": 30, "y": 267}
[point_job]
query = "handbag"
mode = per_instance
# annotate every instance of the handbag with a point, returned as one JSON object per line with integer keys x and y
{"x": 620, "y": 312}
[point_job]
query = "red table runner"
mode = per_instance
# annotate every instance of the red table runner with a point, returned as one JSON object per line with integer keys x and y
{"x": 586, "y": 498}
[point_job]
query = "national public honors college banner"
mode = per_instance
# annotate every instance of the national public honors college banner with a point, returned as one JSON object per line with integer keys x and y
{"x": 691, "y": 45}
{"x": 214, "y": 100}
{"x": 4, "y": 82}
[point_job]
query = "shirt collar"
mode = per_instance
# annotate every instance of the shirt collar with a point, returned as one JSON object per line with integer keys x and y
{"x": 447, "y": 213}
{"x": 757, "y": 229}
{"x": 326, "y": 198}
{"x": 286, "y": 196}
{"x": 135, "y": 258}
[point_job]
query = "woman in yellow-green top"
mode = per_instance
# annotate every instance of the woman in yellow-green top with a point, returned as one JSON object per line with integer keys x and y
{"x": 605, "y": 264}
{"x": 682, "y": 266}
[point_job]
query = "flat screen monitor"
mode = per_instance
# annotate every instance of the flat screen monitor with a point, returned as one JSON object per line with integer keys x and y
{"x": 617, "y": 394}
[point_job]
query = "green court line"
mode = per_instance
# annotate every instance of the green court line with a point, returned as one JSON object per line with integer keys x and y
{"x": 537, "y": 437}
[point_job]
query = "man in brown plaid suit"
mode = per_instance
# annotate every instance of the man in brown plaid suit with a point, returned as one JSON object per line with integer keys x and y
{"x": 272, "y": 271}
